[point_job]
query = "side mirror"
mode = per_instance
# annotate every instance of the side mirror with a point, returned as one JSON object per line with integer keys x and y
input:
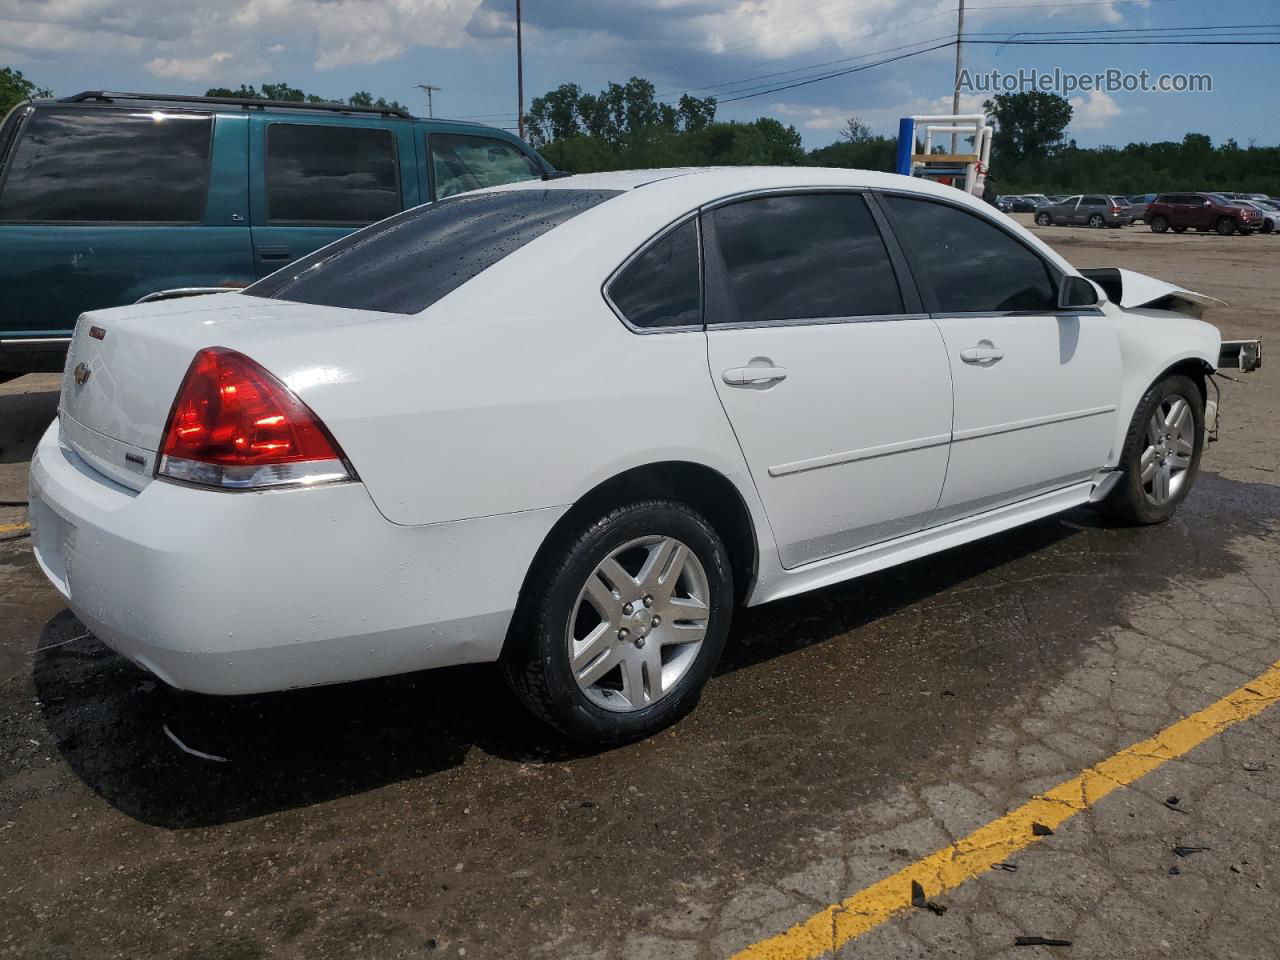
{"x": 1076, "y": 292}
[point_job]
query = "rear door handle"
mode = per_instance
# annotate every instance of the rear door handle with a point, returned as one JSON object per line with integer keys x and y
{"x": 753, "y": 376}
{"x": 274, "y": 253}
{"x": 984, "y": 353}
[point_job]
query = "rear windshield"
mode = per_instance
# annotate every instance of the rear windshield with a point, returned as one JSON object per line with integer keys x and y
{"x": 408, "y": 262}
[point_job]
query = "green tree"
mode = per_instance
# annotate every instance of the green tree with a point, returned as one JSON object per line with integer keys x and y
{"x": 15, "y": 88}
{"x": 287, "y": 94}
{"x": 855, "y": 131}
{"x": 1028, "y": 124}
{"x": 620, "y": 115}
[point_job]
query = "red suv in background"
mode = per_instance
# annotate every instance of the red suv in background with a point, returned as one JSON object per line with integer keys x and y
{"x": 1203, "y": 211}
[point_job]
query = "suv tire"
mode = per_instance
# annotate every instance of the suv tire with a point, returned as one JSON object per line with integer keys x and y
{"x": 1225, "y": 226}
{"x": 556, "y": 614}
{"x": 1159, "y": 223}
{"x": 1044, "y": 219}
{"x": 1096, "y": 221}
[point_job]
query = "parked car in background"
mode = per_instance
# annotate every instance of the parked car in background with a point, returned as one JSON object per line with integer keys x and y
{"x": 413, "y": 400}
{"x": 1138, "y": 205}
{"x": 1202, "y": 212}
{"x": 1093, "y": 210}
{"x": 1027, "y": 202}
{"x": 106, "y": 198}
{"x": 1270, "y": 214}
{"x": 1004, "y": 204}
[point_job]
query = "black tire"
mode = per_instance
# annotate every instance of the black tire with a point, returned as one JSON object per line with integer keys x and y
{"x": 1159, "y": 223}
{"x": 535, "y": 658}
{"x": 1225, "y": 226}
{"x": 1044, "y": 219}
{"x": 1096, "y": 220}
{"x": 1128, "y": 503}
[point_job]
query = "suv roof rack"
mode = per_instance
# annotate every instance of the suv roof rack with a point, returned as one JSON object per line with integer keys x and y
{"x": 243, "y": 102}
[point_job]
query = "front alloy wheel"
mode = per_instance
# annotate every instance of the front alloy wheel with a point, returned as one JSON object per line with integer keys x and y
{"x": 1044, "y": 219}
{"x": 1171, "y": 442}
{"x": 639, "y": 623}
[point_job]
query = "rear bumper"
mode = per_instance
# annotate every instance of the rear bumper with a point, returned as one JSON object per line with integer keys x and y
{"x": 231, "y": 593}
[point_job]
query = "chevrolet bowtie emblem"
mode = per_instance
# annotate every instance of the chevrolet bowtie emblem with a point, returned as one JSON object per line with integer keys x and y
{"x": 81, "y": 373}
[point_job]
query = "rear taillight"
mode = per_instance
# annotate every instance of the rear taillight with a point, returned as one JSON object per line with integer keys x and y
{"x": 234, "y": 425}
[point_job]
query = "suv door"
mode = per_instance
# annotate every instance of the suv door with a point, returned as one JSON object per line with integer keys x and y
{"x": 1035, "y": 387}
{"x": 1089, "y": 205}
{"x": 102, "y": 205}
{"x": 1182, "y": 210}
{"x": 458, "y": 162}
{"x": 835, "y": 382}
{"x": 314, "y": 179}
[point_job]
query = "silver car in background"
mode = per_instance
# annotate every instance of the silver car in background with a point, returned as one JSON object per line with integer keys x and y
{"x": 1090, "y": 209}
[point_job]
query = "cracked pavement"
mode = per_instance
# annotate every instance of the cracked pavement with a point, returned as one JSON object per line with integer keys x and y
{"x": 847, "y": 734}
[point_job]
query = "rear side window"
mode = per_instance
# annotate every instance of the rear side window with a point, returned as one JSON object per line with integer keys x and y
{"x": 407, "y": 263}
{"x": 462, "y": 163}
{"x": 109, "y": 166}
{"x": 660, "y": 287}
{"x": 327, "y": 174}
{"x": 972, "y": 265}
{"x": 807, "y": 256}
{"x": 1094, "y": 201}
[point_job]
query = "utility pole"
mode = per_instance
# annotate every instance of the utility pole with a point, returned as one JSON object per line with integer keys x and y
{"x": 429, "y": 89}
{"x": 519, "y": 74}
{"x": 955, "y": 94}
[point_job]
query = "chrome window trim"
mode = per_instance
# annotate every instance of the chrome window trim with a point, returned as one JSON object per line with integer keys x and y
{"x": 817, "y": 321}
{"x": 641, "y": 250}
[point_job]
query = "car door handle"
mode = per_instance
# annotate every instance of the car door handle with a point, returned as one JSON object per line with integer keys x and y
{"x": 753, "y": 376}
{"x": 274, "y": 253}
{"x": 984, "y": 353}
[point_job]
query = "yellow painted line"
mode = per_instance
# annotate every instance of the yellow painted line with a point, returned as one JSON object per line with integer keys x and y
{"x": 951, "y": 866}
{"x": 10, "y": 528}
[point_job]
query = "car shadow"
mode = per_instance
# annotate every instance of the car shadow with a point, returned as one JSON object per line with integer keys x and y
{"x": 24, "y": 416}
{"x": 127, "y": 736}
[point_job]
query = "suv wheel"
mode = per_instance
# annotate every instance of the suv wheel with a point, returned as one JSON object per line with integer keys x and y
{"x": 1044, "y": 219}
{"x": 1159, "y": 223}
{"x": 622, "y": 623}
{"x": 1225, "y": 226}
{"x": 1161, "y": 454}
{"x": 1095, "y": 220}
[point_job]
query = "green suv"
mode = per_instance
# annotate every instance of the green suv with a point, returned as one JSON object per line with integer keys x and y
{"x": 110, "y": 198}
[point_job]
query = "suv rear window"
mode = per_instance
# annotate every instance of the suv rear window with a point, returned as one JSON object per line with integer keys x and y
{"x": 109, "y": 166}
{"x": 328, "y": 174}
{"x": 407, "y": 263}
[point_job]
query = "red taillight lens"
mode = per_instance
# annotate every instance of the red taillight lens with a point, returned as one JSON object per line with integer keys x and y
{"x": 233, "y": 424}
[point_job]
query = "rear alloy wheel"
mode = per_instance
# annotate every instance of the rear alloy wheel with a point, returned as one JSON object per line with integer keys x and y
{"x": 621, "y": 628}
{"x": 1043, "y": 219}
{"x": 1159, "y": 224}
{"x": 1095, "y": 220}
{"x": 1225, "y": 226}
{"x": 1161, "y": 454}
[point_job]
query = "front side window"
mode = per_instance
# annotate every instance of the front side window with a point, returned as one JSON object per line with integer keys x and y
{"x": 109, "y": 166}
{"x": 408, "y": 262}
{"x": 806, "y": 256}
{"x": 971, "y": 265}
{"x": 661, "y": 287}
{"x": 327, "y": 174}
{"x": 462, "y": 163}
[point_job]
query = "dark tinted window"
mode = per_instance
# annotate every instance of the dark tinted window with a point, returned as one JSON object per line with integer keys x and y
{"x": 109, "y": 166}
{"x": 804, "y": 256}
{"x": 410, "y": 261}
{"x": 461, "y": 163}
{"x": 323, "y": 174}
{"x": 971, "y": 264}
{"x": 660, "y": 287}
{"x": 1094, "y": 201}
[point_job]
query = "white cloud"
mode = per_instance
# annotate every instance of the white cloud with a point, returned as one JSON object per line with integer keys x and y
{"x": 1093, "y": 112}
{"x": 190, "y": 68}
{"x": 881, "y": 120}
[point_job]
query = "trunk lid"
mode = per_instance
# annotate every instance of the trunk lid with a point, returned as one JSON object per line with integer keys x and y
{"x": 124, "y": 367}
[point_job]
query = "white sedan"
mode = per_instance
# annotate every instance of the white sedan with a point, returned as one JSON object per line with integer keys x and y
{"x": 568, "y": 426}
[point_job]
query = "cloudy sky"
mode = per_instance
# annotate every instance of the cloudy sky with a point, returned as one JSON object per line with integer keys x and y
{"x": 726, "y": 48}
